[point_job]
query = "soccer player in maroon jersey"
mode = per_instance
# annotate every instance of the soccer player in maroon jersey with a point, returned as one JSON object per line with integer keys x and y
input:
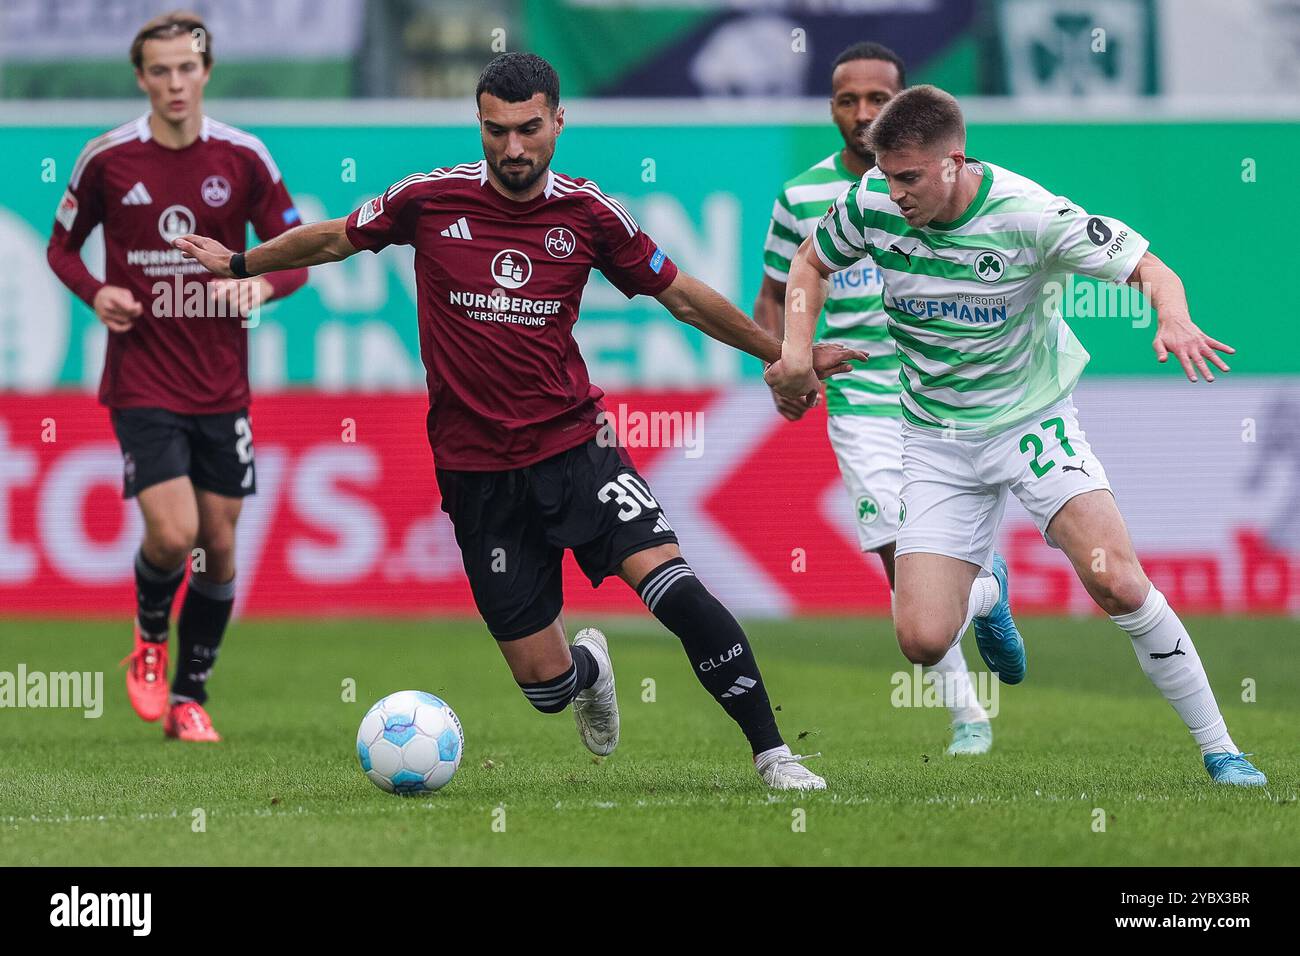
{"x": 504, "y": 247}
{"x": 176, "y": 370}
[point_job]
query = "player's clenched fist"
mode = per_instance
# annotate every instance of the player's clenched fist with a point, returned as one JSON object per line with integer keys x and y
{"x": 116, "y": 307}
{"x": 794, "y": 384}
{"x": 791, "y": 409}
{"x": 208, "y": 253}
{"x": 801, "y": 383}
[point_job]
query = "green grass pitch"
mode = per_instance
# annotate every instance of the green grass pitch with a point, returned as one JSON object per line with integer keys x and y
{"x": 1085, "y": 732}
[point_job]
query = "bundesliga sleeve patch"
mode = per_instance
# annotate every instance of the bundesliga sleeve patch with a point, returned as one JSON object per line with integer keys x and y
{"x": 67, "y": 211}
{"x": 657, "y": 261}
{"x": 369, "y": 211}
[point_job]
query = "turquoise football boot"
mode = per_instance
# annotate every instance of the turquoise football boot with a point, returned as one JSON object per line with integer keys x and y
{"x": 996, "y": 635}
{"x": 971, "y": 739}
{"x": 1234, "y": 770}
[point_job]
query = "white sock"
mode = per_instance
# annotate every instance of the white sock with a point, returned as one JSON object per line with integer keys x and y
{"x": 1156, "y": 629}
{"x": 985, "y": 592}
{"x": 958, "y": 692}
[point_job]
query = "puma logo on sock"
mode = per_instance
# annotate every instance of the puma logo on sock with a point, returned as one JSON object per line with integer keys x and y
{"x": 1160, "y": 657}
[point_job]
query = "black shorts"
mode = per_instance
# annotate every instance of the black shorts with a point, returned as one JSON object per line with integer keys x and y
{"x": 214, "y": 451}
{"x": 513, "y": 528}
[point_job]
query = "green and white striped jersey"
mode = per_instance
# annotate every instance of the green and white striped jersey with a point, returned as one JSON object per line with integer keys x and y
{"x": 979, "y": 330}
{"x": 854, "y": 314}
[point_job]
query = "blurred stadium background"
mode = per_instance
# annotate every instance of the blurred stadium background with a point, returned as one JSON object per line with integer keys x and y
{"x": 693, "y": 112}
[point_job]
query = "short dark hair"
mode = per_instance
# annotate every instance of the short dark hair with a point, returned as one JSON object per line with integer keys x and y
{"x": 919, "y": 117}
{"x": 872, "y": 51}
{"x": 168, "y": 25}
{"x": 515, "y": 77}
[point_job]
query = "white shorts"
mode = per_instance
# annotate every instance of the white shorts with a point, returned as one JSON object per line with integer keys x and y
{"x": 955, "y": 489}
{"x": 870, "y": 452}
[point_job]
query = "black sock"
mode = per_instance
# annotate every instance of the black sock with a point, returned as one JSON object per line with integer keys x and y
{"x": 552, "y": 696}
{"x": 204, "y": 615}
{"x": 154, "y": 592}
{"x": 717, "y": 647}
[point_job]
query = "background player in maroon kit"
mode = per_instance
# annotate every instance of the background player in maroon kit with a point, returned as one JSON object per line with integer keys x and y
{"x": 176, "y": 369}
{"x": 504, "y": 247}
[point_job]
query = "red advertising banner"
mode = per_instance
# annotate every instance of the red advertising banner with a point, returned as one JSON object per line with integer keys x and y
{"x": 347, "y": 519}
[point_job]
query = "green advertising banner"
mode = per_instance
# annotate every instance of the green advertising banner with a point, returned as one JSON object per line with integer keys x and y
{"x": 1215, "y": 201}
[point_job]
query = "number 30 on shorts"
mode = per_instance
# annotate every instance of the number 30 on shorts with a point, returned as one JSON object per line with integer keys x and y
{"x": 1032, "y": 443}
{"x": 630, "y": 494}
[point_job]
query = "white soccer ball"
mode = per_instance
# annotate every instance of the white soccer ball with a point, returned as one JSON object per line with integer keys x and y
{"x": 410, "y": 742}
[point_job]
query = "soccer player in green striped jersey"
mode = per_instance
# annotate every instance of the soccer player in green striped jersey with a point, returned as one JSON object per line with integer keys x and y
{"x": 863, "y": 410}
{"x": 971, "y": 254}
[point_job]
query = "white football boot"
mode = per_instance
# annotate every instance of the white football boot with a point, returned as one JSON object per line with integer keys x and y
{"x": 781, "y": 770}
{"x": 596, "y": 709}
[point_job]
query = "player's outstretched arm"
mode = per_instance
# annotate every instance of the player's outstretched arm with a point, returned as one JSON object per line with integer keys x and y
{"x": 769, "y": 314}
{"x": 805, "y": 294}
{"x": 1176, "y": 333}
{"x": 693, "y": 302}
{"x": 769, "y": 307}
{"x": 698, "y": 305}
{"x": 309, "y": 245}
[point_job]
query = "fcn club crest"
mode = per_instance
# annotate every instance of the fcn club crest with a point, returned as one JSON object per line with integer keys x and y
{"x": 560, "y": 242}
{"x": 215, "y": 191}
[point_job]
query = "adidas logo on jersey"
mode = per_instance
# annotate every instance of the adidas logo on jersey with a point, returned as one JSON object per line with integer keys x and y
{"x": 458, "y": 229}
{"x": 138, "y": 196}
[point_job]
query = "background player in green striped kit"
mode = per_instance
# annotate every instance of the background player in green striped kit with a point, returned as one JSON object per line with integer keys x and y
{"x": 864, "y": 415}
{"x": 971, "y": 255}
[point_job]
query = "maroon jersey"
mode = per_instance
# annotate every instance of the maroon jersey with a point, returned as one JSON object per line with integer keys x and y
{"x": 146, "y": 195}
{"x": 499, "y": 283}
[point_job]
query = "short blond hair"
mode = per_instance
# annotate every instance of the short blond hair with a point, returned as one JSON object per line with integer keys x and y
{"x": 168, "y": 25}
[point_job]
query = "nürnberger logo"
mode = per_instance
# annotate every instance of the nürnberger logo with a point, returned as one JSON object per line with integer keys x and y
{"x": 175, "y": 221}
{"x": 511, "y": 268}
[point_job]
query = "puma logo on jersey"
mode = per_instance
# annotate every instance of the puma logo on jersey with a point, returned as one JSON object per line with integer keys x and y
{"x": 458, "y": 229}
{"x": 905, "y": 255}
{"x": 137, "y": 196}
{"x": 1076, "y": 468}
